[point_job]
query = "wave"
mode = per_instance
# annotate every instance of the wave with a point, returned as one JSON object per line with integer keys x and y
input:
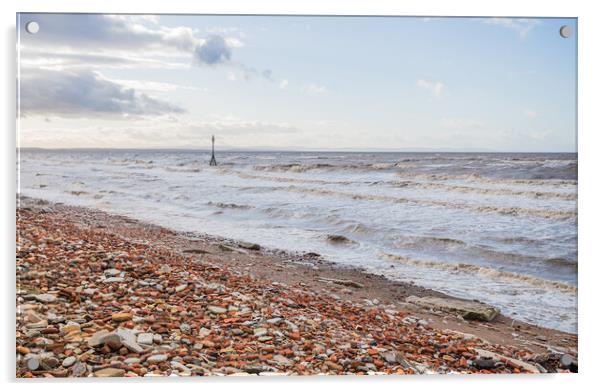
{"x": 484, "y": 271}
{"x": 515, "y": 211}
{"x": 562, "y": 262}
{"x": 482, "y": 179}
{"x": 225, "y": 205}
{"x": 478, "y": 250}
{"x": 422, "y": 185}
{"x": 359, "y": 228}
{"x": 420, "y": 241}
{"x": 296, "y": 167}
{"x": 180, "y": 169}
{"x": 286, "y": 179}
{"x": 478, "y": 190}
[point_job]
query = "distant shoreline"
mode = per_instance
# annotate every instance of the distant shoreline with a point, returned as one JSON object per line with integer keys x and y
{"x": 265, "y": 150}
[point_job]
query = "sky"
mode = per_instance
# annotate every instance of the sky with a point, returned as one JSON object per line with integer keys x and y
{"x": 297, "y": 83}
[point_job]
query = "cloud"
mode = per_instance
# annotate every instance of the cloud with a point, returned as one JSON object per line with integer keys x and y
{"x": 435, "y": 87}
{"x": 521, "y": 26}
{"x": 283, "y": 84}
{"x": 213, "y": 51}
{"x": 66, "y": 59}
{"x": 161, "y": 132}
{"x": 107, "y": 32}
{"x": 85, "y": 93}
{"x": 111, "y": 37}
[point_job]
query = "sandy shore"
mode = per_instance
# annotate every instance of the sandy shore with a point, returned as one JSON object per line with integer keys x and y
{"x": 105, "y": 295}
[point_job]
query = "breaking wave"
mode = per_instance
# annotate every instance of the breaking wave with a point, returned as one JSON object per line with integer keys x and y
{"x": 484, "y": 271}
{"x": 479, "y": 190}
{"x": 547, "y": 214}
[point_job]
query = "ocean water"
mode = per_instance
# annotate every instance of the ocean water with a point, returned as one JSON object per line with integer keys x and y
{"x": 500, "y": 228}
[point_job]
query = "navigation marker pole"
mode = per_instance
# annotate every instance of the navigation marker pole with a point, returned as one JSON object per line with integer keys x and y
{"x": 213, "y": 162}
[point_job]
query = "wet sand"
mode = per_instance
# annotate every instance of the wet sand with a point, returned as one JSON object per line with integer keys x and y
{"x": 328, "y": 286}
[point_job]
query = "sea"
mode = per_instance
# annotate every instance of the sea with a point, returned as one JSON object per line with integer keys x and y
{"x": 497, "y": 227}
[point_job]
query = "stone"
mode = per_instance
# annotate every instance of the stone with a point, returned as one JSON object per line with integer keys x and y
{"x": 260, "y": 332}
{"x": 79, "y": 369}
{"x": 469, "y": 310}
{"x": 128, "y": 339}
{"x": 96, "y": 338}
{"x": 569, "y": 362}
{"x": 250, "y": 246}
{"x": 70, "y": 328}
{"x": 157, "y": 358}
{"x": 114, "y": 279}
{"x": 216, "y": 310}
{"x": 484, "y": 362}
{"x": 45, "y": 298}
{"x": 49, "y": 362}
{"x": 180, "y": 288}
{"x": 181, "y": 368}
{"x": 145, "y": 338}
{"x": 122, "y": 316}
{"x": 509, "y": 360}
{"x": 113, "y": 341}
{"x": 131, "y": 360}
{"x": 349, "y": 283}
{"x": 112, "y": 272}
{"x": 281, "y": 360}
{"x": 69, "y": 361}
{"x": 185, "y": 328}
{"x": 110, "y": 372}
{"x": 33, "y": 363}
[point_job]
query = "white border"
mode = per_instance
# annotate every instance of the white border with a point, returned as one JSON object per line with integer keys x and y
{"x": 589, "y": 147}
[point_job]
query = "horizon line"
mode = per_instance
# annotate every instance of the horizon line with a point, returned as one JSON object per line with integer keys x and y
{"x": 300, "y": 149}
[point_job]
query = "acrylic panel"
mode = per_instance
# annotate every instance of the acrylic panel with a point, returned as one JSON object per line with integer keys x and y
{"x": 210, "y": 195}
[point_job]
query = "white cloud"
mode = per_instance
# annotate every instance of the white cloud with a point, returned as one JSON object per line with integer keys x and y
{"x": 162, "y": 131}
{"x": 521, "y": 26}
{"x": 435, "y": 87}
{"x": 283, "y": 84}
{"x": 85, "y": 93}
{"x": 153, "y": 86}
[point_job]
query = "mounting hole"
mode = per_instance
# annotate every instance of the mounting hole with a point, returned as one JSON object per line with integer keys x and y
{"x": 32, "y": 27}
{"x": 565, "y": 31}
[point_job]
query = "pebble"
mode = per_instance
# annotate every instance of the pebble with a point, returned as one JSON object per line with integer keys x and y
{"x": 33, "y": 363}
{"x": 216, "y": 310}
{"x": 69, "y": 361}
{"x": 110, "y": 372}
{"x": 112, "y": 272}
{"x": 185, "y": 328}
{"x": 112, "y": 340}
{"x": 157, "y": 358}
{"x": 180, "y": 288}
{"x": 78, "y": 369}
{"x": 45, "y": 298}
{"x": 145, "y": 338}
{"x": 122, "y": 317}
{"x": 220, "y": 322}
{"x": 114, "y": 279}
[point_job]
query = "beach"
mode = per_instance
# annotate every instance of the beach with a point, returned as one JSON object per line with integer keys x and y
{"x": 499, "y": 228}
{"x": 102, "y": 294}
